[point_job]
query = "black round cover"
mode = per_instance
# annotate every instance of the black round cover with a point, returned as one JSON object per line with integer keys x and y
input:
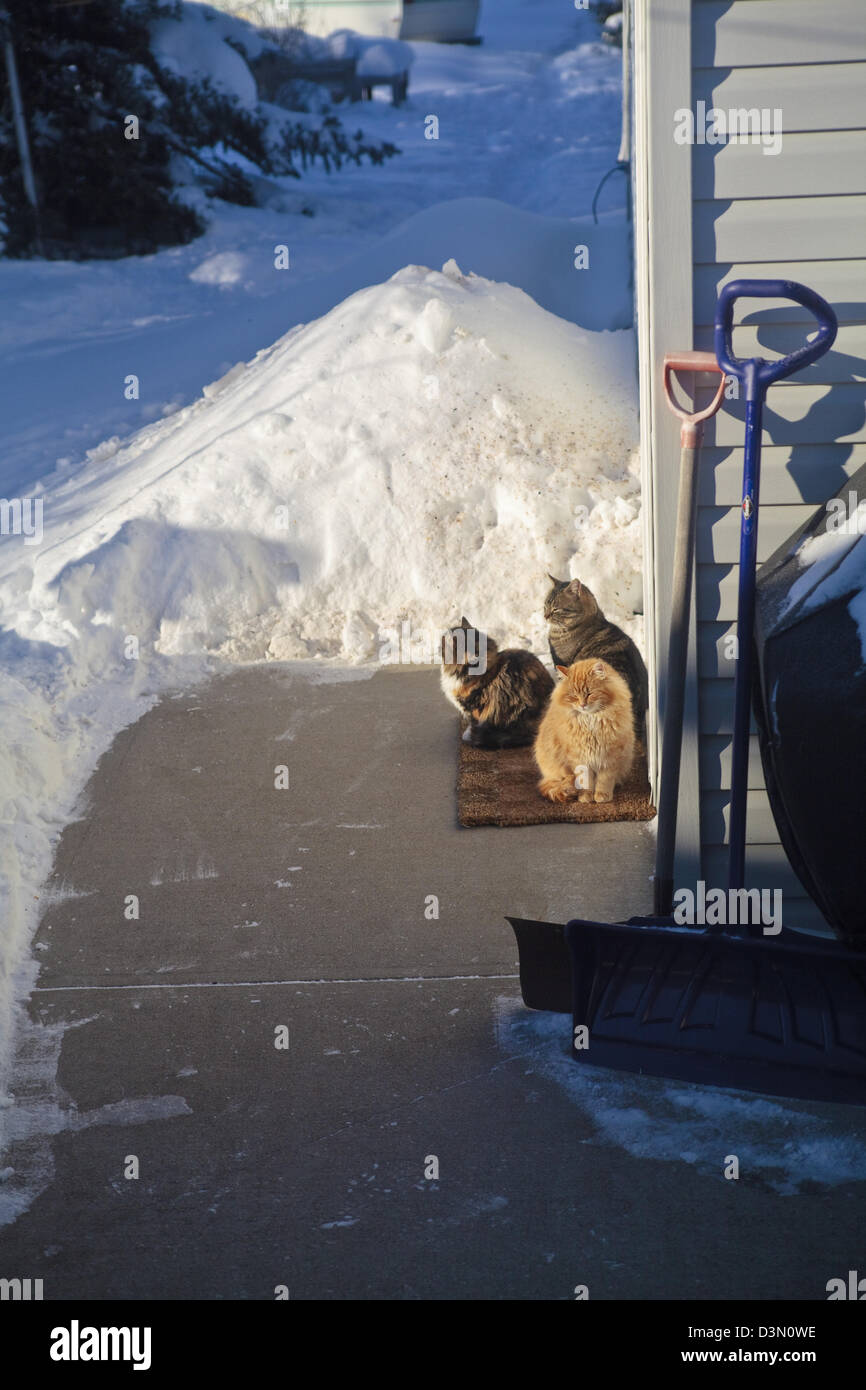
{"x": 810, "y": 704}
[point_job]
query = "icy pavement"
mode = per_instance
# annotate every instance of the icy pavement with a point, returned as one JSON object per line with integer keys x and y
{"x": 410, "y": 1140}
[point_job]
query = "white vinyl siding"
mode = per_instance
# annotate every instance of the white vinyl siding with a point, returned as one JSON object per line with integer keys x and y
{"x": 799, "y": 214}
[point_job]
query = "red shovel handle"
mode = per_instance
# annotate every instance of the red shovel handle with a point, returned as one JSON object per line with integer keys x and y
{"x": 691, "y": 430}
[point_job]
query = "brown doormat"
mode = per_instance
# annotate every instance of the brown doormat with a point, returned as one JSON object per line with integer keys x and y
{"x": 500, "y": 787}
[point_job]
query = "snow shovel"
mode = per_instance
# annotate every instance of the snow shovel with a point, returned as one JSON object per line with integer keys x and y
{"x": 747, "y": 1005}
{"x": 545, "y": 969}
{"x": 691, "y": 437}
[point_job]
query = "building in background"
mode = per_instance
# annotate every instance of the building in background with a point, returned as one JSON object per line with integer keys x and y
{"x": 443, "y": 21}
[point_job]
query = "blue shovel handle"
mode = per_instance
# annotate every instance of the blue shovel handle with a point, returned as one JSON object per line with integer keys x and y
{"x": 757, "y": 374}
{"x": 757, "y": 371}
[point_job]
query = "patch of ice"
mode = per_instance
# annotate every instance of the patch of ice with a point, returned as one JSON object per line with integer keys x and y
{"x": 786, "y": 1145}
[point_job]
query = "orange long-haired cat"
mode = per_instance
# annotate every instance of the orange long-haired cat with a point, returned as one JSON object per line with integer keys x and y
{"x": 585, "y": 742}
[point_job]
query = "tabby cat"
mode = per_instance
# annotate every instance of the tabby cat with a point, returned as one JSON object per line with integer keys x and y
{"x": 585, "y": 743}
{"x": 503, "y": 693}
{"x": 577, "y": 630}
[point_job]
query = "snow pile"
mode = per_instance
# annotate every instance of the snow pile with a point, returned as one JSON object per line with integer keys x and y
{"x": 183, "y": 308}
{"x": 432, "y": 446}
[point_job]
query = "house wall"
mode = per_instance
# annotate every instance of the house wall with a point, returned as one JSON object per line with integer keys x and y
{"x": 662, "y": 224}
{"x": 799, "y": 214}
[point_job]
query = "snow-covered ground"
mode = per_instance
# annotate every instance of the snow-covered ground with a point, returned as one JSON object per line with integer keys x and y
{"x": 432, "y": 445}
{"x": 529, "y": 120}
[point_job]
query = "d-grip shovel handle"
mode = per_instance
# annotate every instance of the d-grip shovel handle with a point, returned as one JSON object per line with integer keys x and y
{"x": 691, "y": 430}
{"x": 757, "y": 372}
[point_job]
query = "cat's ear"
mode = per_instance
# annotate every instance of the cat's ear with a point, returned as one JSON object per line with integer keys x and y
{"x": 563, "y": 670}
{"x": 576, "y": 587}
{"x": 599, "y": 670}
{"x": 553, "y": 579}
{"x": 464, "y": 622}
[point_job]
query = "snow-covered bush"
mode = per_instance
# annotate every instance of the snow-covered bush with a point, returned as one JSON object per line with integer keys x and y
{"x": 281, "y": 22}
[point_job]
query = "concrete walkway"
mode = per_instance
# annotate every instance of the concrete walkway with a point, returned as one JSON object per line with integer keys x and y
{"x": 304, "y": 909}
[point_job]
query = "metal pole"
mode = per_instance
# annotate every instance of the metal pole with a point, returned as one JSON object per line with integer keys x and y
{"x": 755, "y": 391}
{"x": 21, "y": 129}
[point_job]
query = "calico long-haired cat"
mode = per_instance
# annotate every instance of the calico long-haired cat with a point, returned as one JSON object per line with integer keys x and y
{"x": 585, "y": 744}
{"x": 577, "y": 630}
{"x": 503, "y": 693}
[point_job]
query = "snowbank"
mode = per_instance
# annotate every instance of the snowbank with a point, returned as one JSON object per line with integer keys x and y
{"x": 184, "y": 311}
{"x": 434, "y": 442}
{"x": 403, "y": 452}
{"x": 432, "y": 446}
